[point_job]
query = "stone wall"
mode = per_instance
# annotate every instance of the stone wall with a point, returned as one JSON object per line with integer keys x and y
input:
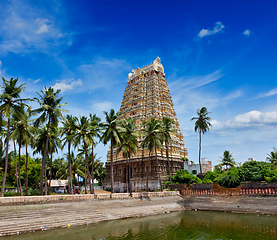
{"x": 81, "y": 197}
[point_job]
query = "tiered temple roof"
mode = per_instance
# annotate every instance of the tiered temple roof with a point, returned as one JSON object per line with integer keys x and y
{"x": 147, "y": 96}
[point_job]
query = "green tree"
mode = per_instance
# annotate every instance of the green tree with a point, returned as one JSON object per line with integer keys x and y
{"x": 229, "y": 179}
{"x": 184, "y": 177}
{"x": 17, "y": 121}
{"x": 167, "y": 130}
{"x": 10, "y": 102}
{"x": 201, "y": 125}
{"x": 77, "y": 166}
{"x": 152, "y": 140}
{"x": 68, "y": 131}
{"x": 95, "y": 130}
{"x": 227, "y": 159}
{"x": 99, "y": 169}
{"x": 128, "y": 145}
{"x": 113, "y": 135}
{"x": 272, "y": 156}
{"x": 54, "y": 144}
{"x": 51, "y": 111}
{"x": 27, "y": 139}
{"x": 83, "y": 136}
{"x": 47, "y": 138}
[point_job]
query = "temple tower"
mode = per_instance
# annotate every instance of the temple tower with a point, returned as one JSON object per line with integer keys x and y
{"x": 147, "y": 96}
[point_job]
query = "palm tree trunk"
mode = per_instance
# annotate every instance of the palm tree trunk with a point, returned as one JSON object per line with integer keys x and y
{"x": 168, "y": 163}
{"x": 158, "y": 169}
{"x": 45, "y": 181}
{"x": 50, "y": 175}
{"x": 112, "y": 182}
{"x": 86, "y": 162}
{"x": 129, "y": 172}
{"x": 26, "y": 170}
{"x": 92, "y": 174}
{"x": 43, "y": 159}
{"x": 6, "y": 160}
{"x": 86, "y": 178}
{"x": 70, "y": 187}
{"x": 147, "y": 176}
{"x": 19, "y": 163}
{"x": 200, "y": 154}
{"x": 15, "y": 166}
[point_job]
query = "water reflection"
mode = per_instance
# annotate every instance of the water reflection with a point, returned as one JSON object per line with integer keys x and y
{"x": 183, "y": 225}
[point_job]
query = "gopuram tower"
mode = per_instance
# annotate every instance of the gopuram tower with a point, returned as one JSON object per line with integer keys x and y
{"x": 147, "y": 96}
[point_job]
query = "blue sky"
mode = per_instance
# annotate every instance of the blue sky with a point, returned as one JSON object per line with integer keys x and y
{"x": 217, "y": 54}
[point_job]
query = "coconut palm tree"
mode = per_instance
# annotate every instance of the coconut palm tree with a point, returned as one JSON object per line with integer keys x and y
{"x": 83, "y": 136}
{"x": 27, "y": 139}
{"x": 128, "y": 145}
{"x": 113, "y": 135}
{"x": 51, "y": 111}
{"x": 10, "y": 102}
{"x": 99, "y": 169}
{"x": 77, "y": 166}
{"x": 166, "y": 131}
{"x": 227, "y": 159}
{"x": 69, "y": 130}
{"x": 95, "y": 130}
{"x": 17, "y": 122}
{"x": 152, "y": 140}
{"x": 272, "y": 156}
{"x": 52, "y": 144}
{"x": 201, "y": 125}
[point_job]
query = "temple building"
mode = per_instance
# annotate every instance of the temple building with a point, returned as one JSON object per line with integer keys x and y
{"x": 147, "y": 96}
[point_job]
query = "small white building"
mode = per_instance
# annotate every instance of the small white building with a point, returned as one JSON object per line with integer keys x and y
{"x": 194, "y": 168}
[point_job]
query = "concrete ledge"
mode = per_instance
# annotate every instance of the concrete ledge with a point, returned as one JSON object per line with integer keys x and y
{"x": 154, "y": 194}
{"x": 81, "y": 197}
{"x": 44, "y": 199}
{"x": 103, "y": 196}
{"x": 120, "y": 195}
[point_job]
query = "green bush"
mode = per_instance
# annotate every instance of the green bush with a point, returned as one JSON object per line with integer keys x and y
{"x": 230, "y": 179}
{"x": 11, "y": 194}
{"x": 184, "y": 177}
{"x": 255, "y": 171}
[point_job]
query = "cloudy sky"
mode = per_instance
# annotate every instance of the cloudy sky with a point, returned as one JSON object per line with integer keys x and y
{"x": 217, "y": 54}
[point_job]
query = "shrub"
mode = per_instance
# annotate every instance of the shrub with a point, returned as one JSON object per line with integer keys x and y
{"x": 230, "y": 179}
{"x": 184, "y": 177}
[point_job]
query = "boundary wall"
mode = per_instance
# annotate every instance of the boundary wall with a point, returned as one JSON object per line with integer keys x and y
{"x": 81, "y": 197}
{"x": 246, "y": 188}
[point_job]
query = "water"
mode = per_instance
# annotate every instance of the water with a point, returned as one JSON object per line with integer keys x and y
{"x": 180, "y": 225}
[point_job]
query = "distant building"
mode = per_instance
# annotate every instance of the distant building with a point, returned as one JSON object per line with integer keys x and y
{"x": 194, "y": 168}
{"x": 251, "y": 159}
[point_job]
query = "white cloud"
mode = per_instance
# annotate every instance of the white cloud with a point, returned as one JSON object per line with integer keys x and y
{"x": 268, "y": 94}
{"x": 246, "y": 33}
{"x": 43, "y": 29}
{"x": 104, "y": 73}
{"x": 0, "y": 63}
{"x": 37, "y": 80}
{"x": 193, "y": 82}
{"x": 23, "y": 28}
{"x": 99, "y": 107}
{"x": 252, "y": 119}
{"x": 206, "y": 32}
{"x": 65, "y": 86}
